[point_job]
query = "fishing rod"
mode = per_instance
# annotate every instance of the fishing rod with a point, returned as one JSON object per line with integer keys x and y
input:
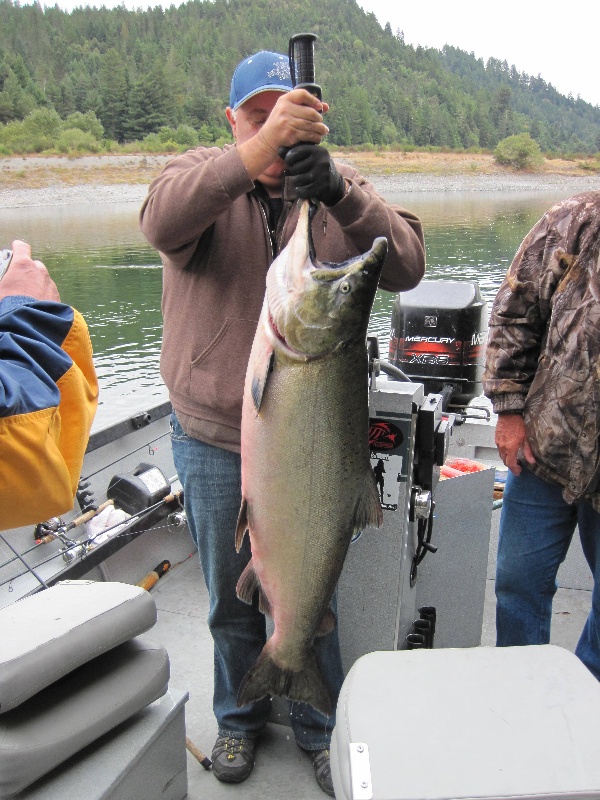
{"x": 20, "y": 558}
{"x": 145, "y": 446}
{"x": 55, "y": 528}
{"x": 47, "y": 532}
{"x": 85, "y": 546}
{"x": 135, "y": 499}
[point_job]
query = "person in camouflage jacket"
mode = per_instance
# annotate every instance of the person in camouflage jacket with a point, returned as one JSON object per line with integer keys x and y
{"x": 542, "y": 377}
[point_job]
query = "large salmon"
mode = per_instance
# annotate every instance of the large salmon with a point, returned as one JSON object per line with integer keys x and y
{"x": 307, "y": 483}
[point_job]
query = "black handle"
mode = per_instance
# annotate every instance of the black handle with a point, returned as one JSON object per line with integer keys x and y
{"x": 301, "y": 54}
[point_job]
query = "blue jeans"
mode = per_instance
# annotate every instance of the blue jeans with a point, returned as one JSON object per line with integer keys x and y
{"x": 536, "y": 528}
{"x": 211, "y": 480}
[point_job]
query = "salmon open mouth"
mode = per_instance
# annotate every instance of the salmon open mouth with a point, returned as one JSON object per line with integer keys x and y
{"x": 277, "y": 333}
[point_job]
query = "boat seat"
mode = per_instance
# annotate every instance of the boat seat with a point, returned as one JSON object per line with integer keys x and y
{"x": 53, "y": 632}
{"x": 451, "y": 724}
{"x": 73, "y": 667}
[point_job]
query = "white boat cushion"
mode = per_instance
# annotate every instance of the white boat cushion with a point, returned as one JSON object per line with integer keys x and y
{"x": 76, "y": 710}
{"x": 48, "y": 634}
{"x": 480, "y": 722}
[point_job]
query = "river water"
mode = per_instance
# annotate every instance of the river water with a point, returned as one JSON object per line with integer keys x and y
{"x": 103, "y": 266}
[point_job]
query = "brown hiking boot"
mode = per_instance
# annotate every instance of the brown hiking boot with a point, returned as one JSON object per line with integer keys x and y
{"x": 233, "y": 759}
{"x": 322, "y": 765}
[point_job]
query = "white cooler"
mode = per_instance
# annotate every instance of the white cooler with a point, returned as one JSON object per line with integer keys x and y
{"x": 460, "y": 724}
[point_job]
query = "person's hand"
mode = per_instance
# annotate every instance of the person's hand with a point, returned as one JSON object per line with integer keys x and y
{"x": 296, "y": 117}
{"x": 314, "y": 174}
{"x": 27, "y": 277}
{"x": 512, "y": 443}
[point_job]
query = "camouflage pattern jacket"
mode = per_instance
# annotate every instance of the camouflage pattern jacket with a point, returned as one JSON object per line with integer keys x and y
{"x": 542, "y": 356}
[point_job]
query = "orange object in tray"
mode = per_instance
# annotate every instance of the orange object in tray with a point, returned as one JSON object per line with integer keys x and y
{"x": 455, "y": 467}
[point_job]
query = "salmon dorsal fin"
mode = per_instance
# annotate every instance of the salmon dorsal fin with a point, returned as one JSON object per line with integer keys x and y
{"x": 242, "y": 525}
{"x": 247, "y": 584}
{"x": 263, "y": 366}
{"x": 368, "y": 507}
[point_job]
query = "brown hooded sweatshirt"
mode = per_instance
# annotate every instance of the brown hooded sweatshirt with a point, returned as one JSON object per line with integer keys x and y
{"x": 209, "y": 222}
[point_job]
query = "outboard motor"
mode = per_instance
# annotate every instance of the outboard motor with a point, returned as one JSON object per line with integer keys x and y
{"x": 438, "y": 336}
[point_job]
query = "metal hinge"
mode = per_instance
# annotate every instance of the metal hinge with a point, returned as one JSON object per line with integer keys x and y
{"x": 360, "y": 771}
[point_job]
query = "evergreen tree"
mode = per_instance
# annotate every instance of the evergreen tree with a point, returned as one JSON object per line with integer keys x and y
{"x": 502, "y": 112}
{"x": 150, "y": 105}
{"x": 114, "y": 94}
{"x": 145, "y": 69}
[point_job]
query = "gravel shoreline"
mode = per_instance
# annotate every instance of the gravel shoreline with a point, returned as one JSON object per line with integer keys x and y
{"x": 387, "y": 185}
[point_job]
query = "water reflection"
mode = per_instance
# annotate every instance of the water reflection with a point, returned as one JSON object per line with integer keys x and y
{"x": 468, "y": 236}
{"x": 104, "y": 267}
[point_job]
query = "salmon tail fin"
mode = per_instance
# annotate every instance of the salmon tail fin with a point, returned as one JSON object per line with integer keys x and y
{"x": 242, "y": 525}
{"x": 266, "y": 678}
{"x": 368, "y": 509}
{"x": 247, "y": 584}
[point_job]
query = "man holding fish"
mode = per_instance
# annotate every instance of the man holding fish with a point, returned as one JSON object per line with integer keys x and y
{"x": 220, "y": 217}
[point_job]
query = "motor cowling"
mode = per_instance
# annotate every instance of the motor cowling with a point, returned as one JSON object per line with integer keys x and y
{"x": 438, "y": 336}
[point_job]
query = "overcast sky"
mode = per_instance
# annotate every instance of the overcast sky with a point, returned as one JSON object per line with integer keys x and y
{"x": 558, "y": 41}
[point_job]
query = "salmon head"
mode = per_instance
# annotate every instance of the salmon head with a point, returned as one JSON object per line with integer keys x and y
{"x": 316, "y": 308}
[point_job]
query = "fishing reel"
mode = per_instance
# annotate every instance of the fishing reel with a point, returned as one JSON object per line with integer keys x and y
{"x": 177, "y": 520}
{"x": 139, "y": 490}
{"x": 47, "y": 531}
{"x": 56, "y": 528}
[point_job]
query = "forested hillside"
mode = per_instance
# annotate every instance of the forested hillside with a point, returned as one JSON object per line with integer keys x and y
{"x": 139, "y": 71}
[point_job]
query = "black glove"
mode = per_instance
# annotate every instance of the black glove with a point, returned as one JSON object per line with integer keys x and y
{"x": 314, "y": 174}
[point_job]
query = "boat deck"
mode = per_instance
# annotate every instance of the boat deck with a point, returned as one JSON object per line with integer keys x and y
{"x": 282, "y": 770}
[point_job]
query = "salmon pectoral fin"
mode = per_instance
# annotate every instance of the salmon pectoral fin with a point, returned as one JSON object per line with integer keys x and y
{"x": 242, "y": 525}
{"x": 263, "y": 366}
{"x": 249, "y": 583}
{"x": 327, "y": 623}
{"x": 266, "y": 678}
{"x": 368, "y": 507}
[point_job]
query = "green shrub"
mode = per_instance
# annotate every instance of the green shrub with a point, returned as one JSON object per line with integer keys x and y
{"x": 74, "y": 140}
{"x": 205, "y": 136}
{"x": 519, "y": 151}
{"x": 186, "y": 136}
{"x": 165, "y": 134}
{"x": 87, "y": 122}
{"x": 159, "y": 142}
{"x": 42, "y": 121}
{"x": 36, "y": 133}
{"x": 17, "y": 138}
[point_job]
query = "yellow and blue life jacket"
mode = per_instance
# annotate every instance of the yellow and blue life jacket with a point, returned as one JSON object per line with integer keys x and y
{"x": 48, "y": 398}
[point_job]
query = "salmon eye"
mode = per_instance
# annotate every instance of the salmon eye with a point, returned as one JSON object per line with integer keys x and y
{"x": 344, "y": 287}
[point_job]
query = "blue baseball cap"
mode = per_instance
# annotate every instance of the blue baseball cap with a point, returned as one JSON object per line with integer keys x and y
{"x": 262, "y": 72}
